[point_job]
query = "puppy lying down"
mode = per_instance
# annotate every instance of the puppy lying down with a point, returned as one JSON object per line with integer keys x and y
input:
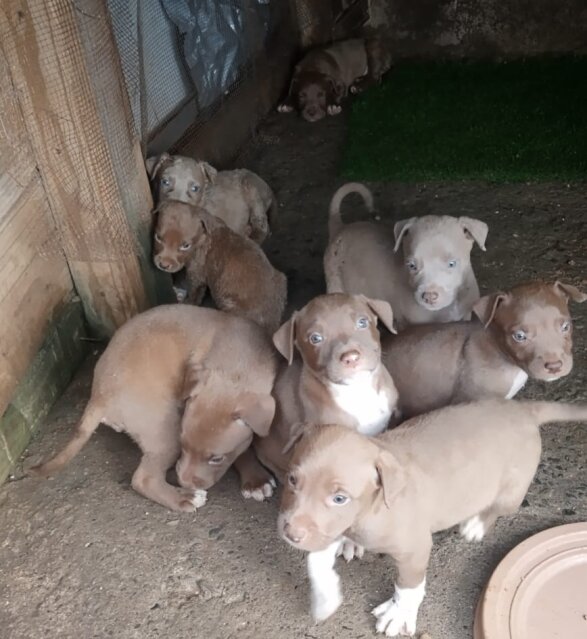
{"x": 465, "y": 465}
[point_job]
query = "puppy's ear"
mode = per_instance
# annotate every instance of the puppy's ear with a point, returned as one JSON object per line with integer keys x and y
{"x": 383, "y": 311}
{"x": 400, "y": 229}
{"x": 209, "y": 172}
{"x": 284, "y": 338}
{"x": 475, "y": 229}
{"x": 209, "y": 221}
{"x": 256, "y": 411}
{"x": 194, "y": 375}
{"x": 391, "y": 476}
{"x": 336, "y": 86}
{"x": 295, "y": 434}
{"x": 156, "y": 162}
{"x": 485, "y": 307}
{"x": 569, "y": 292}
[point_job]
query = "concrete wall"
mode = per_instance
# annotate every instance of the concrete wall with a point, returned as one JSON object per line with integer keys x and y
{"x": 482, "y": 28}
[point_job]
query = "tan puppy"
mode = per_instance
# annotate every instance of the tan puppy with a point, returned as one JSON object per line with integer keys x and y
{"x": 525, "y": 332}
{"x": 422, "y": 268}
{"x": 239, "y": 198}
{"x": 325, "y": 76}
{"x": 235, "y": 269}
{"x": 171, "y": 356}
{"x": 466, "y": 465}
{"x": 336, "y": 376}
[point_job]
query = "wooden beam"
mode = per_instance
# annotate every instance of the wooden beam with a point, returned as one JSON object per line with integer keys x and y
{"x": 65, "y": 70}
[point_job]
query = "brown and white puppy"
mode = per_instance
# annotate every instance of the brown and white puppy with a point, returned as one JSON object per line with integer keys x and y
{"x": 325, "y": 76}
{"x": 154, "y": 364}
{"x": 239, "y": 198}
{"x": 235, "y": 269}
{"x": 336, "y": 375}
{"x": 525, "y": 332}
{"x": 422, "y": 267}
{"x": 466, "y": 465}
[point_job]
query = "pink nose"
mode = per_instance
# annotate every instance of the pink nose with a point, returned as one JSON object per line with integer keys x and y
{"x": 164, "y": 265}
{"x": 430, "y": 297}
{"x": 553, "y": 367}
{"x": 295, "y": 535}
{"x": 350, "y": 358}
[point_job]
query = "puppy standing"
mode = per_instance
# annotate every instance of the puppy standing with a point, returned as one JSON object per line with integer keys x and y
{"x": 175, "y": 360}
{"x": 423, "y": 269}
{"x": 325, "y": 76}
{"x": 235, "y": 269}
{"x": 466, "y": 465}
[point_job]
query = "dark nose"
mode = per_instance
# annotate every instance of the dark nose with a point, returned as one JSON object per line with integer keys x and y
{"x": 553, "y": 367}
{"x": 430, "y": 297}
{"x": 295, "y": 535}
{"x": 350, "y": 358}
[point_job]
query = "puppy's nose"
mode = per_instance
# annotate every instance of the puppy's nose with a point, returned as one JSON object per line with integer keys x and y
{"x": 294, "y": 534}
{"x": 350, "y": 358}
{"x": 164, "y": 265}
{"x": 553, "y": 367}
{"x": 430, "y": 297}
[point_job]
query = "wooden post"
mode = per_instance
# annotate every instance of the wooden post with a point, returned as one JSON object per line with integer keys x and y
{"x": 65, "y": 69}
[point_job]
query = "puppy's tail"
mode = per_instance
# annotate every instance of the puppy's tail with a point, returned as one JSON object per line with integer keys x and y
{"x": 559, "y": 412}
{"x": 90, "y": 421}
{"x": 335, "y": 222}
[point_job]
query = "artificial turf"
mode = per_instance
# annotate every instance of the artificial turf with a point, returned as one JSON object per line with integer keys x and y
{"x": 514, "y": 121}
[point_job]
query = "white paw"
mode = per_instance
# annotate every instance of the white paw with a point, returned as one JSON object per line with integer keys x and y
{"x": 262, "y": 493}
{"x": 284, "y": 108}
{"x": 199, "y": 498}
{"x": 349, "y": 550}
{"x": 326, "y": 601}
{"x": 333, "y": 109}
{"x": 473, "y": 529}
{"x": 354, "y": 90}
{"x": 393, "y": 620}
{"x": 180, "y": 293}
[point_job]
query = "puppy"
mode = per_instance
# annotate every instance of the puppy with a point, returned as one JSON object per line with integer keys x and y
{"x": 466, "y": 465}
{"x": 239, "y": 198}
{"x": 235, "y": 269}
{"x": 336, "y": 374}
{"x": 325, "y": 76}
{"x": 526, "y": 332}
{"x": 423, "y": 269}
{"x": 177, "y": 380}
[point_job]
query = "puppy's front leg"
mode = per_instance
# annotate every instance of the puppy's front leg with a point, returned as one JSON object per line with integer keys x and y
{"x": 324, "y": 582}
{"x": 256, "y": 482}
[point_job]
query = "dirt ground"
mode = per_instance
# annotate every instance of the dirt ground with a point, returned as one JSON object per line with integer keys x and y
{"x": 82, "y": 555}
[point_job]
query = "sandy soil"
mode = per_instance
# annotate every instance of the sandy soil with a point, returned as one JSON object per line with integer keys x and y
{"x": 84, "y": 556}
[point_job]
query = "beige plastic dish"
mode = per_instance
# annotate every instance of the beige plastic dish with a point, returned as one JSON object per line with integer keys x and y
{"x": 539, "y": 590}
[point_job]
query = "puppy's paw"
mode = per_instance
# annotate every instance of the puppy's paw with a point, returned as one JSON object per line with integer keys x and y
{"x": 190, "y": 500}
{"x": 326, "y": 601}
{"x": 355, "y": 88}
{"x": 180, "y": 294}
{"x": 284, "y": 108}
{"x": 349, "y": 550}
{"x": 473, "y": 529}
{"x": 393, "y": 620}
{"x": 333, "y": 109}
{"x": 259, "y": 492}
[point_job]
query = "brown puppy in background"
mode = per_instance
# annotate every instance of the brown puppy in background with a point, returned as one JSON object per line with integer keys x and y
{"x": 177, "y": 379}
{"x": 239, "y": 198}
{"x": 466, "y": 464}
{"x": 525, "y": 332}
{"x": 422, "y": 266}
{"x": 235, "y": 269}
{"x": 326, "y": 75}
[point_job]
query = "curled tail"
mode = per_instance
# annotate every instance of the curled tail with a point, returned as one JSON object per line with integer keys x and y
{"x": 89, "y": 423}
{"x": 335, "y": 222}
{"x": 559, "y": 412}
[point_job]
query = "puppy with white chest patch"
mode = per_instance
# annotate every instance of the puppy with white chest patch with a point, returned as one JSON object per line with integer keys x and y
{"x": 462, "y": 465}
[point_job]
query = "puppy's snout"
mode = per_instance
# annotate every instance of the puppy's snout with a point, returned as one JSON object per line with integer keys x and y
{"x": 295, "y": 534}
{"x": 430, "y": 297}
{"x": 163, "y": 264}
{"x": 554, "y": 366}
{"x": 350, "y": 358}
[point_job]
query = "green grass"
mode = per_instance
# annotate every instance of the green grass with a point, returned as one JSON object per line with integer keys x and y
{"x": 503, "y": 122}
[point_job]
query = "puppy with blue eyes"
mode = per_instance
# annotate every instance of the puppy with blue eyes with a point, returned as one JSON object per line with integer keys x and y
{"x": 237, "y": 272}
{"x": 240, "y": 198}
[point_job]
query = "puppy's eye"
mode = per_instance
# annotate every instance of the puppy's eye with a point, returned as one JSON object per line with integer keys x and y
{"x": 362, "y": 322}
{"x": 452, "y": 263}
{"x": 165, "y": 181}
{"x": 339, "y": 499}
{"x": 185, "y": 246}
{"x": 158, "y": 238}
{"x": 216, "y": 460}
{"x": 316, "y": 338}
{"x": 566, "y": 326}
{"x": 292, "y": 480}
{"x": 411, "y": 264}
{"x": 194, "y": 188}
{"x": 519, "y": 336}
